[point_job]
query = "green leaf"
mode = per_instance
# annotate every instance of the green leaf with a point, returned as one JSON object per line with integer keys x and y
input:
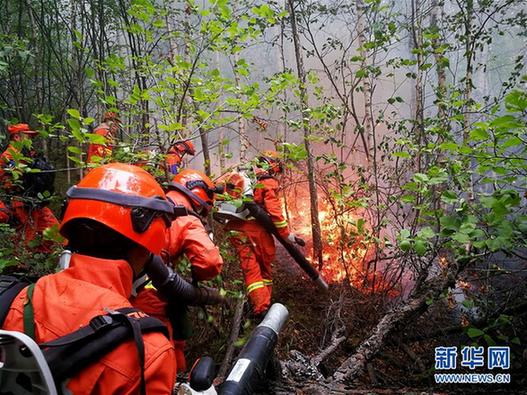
{"x": 402, "y": 154}
{"x": 449, "y": 197}
{"x": 468, "y": 303}
{"x": 474, "y": 333}
{"x": 490, "y": 341}
{"x": 74, "y": 113}
{"x": 516, "y": 100}
{"x": 405, "y": 245}
{"x": 426, "y": 233}
{"x": 420, "y": 247}
{"x": 479, "y": 134}
{"x": 420, "y": 177}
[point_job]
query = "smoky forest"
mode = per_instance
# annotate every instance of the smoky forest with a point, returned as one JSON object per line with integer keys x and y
{"x": 396, "y": 134}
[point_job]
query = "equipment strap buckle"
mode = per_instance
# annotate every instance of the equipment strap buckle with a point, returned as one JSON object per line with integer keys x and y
{"x": 100, "y": 322}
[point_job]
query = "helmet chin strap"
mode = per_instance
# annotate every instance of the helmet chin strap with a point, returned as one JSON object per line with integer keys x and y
{"x": 187, "y": 192}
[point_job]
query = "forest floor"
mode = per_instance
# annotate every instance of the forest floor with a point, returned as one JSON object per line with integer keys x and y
{"x": 405, "y": 365}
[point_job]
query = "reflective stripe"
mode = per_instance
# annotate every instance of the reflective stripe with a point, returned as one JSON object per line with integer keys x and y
{"x": 267, "y": 282}
{"x": 280, "y": 224}
{"x": 255, "y": 286}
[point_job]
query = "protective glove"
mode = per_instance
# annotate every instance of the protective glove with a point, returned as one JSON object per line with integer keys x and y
{"x": 295, "y": 239}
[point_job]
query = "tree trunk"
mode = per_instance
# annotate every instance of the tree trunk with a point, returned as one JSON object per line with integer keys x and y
{"x": 367, "y": 125}
{"x": 313, "y": 195}
{"x": 242, "y": 123}
{"x": 417, "y": 43}
{"x": 436, "y": 12}
{"x": 469, "y": 54}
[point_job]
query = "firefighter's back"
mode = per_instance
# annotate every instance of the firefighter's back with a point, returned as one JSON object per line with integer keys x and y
{"x": 66, "y": 301}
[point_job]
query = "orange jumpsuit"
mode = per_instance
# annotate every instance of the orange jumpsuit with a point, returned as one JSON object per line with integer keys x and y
{"x": 103, "y": 151}
{"x": 187, "y": 236}
{"x": 173, "y": 160}
{"x": 5, "y": 213}
{"x": 255, "y": 245}
{"x": 65, "y": 301}
{"x": 30, "y": 220}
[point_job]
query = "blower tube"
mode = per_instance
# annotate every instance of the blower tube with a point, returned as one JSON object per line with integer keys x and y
{"x": 248, "y": 373}
{"x": 172, "y": 286}
{"x": 261, "y": 216}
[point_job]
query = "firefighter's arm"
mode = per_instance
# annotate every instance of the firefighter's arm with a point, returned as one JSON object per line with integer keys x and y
{"x": 273, "y": 206}
{"x": 203, "y": 254}
{"x": 189, "y": 237}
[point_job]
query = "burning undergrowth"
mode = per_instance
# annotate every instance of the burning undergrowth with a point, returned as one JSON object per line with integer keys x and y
{"x": 350, "y": 250}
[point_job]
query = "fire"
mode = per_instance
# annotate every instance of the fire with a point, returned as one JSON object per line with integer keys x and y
{"x": 346, "y": 252}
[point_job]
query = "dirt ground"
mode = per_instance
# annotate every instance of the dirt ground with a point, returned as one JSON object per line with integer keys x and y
{"x": 406, "y": 365}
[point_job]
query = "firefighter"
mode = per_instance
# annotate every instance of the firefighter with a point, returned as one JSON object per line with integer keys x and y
{"x": 107, "y": 129}
{"x": 255, "y": 245}
{"x": 114, "y": 219}
{"x": 21, "y": 204}
{"x": 193, "y": 193}
{"x": 176, "y": 153}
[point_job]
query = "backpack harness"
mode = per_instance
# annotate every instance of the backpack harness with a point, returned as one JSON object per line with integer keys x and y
{"x": 71, "y": 353}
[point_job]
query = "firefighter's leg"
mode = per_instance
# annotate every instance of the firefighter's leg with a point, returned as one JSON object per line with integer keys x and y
{"x": 256, "y": 290}
{"x": 178, "y": 314}
{"x": 179, "y": 348}
{"x": 266, "y": 251}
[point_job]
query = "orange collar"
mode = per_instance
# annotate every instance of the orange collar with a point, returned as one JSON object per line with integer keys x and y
{"x": 113, "y": 274}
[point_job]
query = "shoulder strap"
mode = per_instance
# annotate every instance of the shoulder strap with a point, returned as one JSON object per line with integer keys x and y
{"x": 69, "y": 354}
{"x": 188, "y": 193}
{"x": 10, "y": 287}
{"x": 29, "y": 313}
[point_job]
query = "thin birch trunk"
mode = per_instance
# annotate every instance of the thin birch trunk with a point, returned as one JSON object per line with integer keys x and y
{"x": 366, "y": 84}
{"x": 242, "y": 123}
{"x": 313, "y": 195}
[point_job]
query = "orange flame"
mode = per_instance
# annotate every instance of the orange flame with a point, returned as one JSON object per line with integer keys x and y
{"x": 346, "y": 251}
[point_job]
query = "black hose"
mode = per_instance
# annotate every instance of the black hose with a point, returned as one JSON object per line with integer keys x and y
{"x": 261, "y": 216}
{"x": 172, "y": 286}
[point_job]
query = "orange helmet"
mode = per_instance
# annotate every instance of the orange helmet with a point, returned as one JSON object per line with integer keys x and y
{"x": 196, "y": 186}
{"x": 273, "y": 160}
{"x": 233, "y": 184}
{"x": 124, "y": 198}
{"x": 20, "y": 128}
{"x": 185, "y": 146}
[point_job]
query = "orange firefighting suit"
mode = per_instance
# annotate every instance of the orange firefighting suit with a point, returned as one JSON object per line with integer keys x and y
{"x": 187, "y": 236}
{"x": 4, "y": 213}
{"x": 30, "y": 220}
{"x": 101, "y": 150}
{"x": 255, "y": 245}
{"x": 65, "y": 301}
{"x": 173, "y": 160}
